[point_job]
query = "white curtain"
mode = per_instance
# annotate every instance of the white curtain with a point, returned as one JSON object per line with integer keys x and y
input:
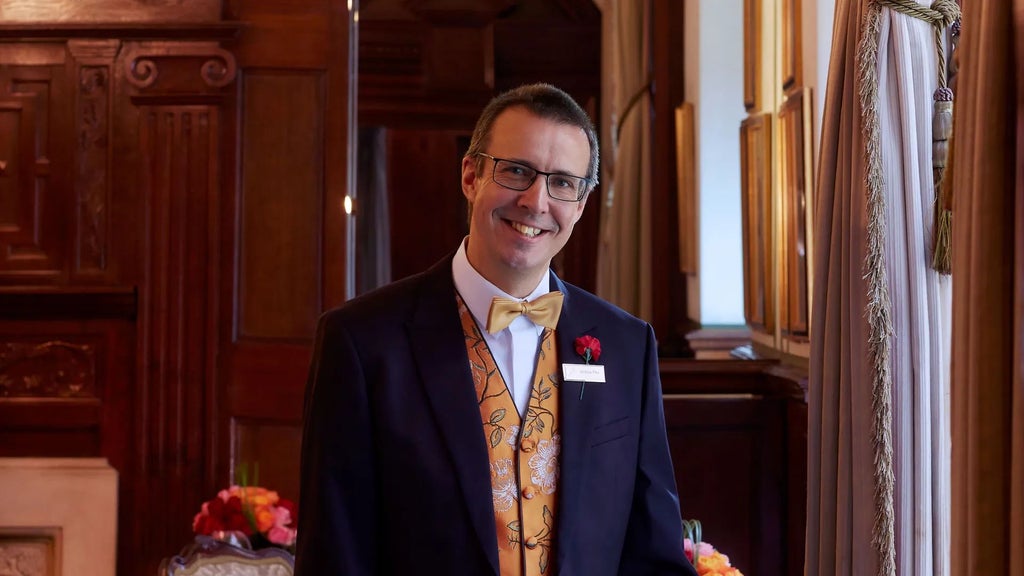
{"x": 920, "y": 296}
{"x": 878, "y": 435}
{"x": 624, "y": 254}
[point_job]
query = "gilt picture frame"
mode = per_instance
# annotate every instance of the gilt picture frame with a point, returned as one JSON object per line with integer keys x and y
{"x": 795, "y": 149}
{"x": 756, "y": 201}
{"x": 686, "y": 188}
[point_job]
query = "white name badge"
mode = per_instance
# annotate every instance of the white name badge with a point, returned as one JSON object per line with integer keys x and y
{"x": 583, "y": 372}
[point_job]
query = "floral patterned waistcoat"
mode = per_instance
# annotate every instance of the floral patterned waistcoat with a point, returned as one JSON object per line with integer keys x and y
{"x": 524, "y": 454}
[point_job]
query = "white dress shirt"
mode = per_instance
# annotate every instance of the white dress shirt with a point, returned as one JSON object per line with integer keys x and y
{"x": 515, "y": 348}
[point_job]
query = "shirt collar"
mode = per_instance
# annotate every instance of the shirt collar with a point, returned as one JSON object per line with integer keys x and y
{"x": 477, "y": 291}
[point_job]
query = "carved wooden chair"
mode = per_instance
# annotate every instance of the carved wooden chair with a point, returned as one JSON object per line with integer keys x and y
{"x": 209, "y": 557}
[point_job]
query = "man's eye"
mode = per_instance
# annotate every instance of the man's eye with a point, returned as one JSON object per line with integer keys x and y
{"x": 514, "y": 170}
{"x": 560, "y": 181}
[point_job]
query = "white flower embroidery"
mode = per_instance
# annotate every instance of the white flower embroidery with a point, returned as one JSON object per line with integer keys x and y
{"x": 513, "y": 436}
{"x": 503, "y": 485}
{"x": 545, "y": 464}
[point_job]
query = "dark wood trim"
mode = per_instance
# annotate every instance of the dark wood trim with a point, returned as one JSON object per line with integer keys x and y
{"x": 762, "y": 377}
{"x": 132, "y": 31}
{"x": 668, "y": 284}
{"x": 57, "y": 414}
{"x": 717, "y": 343}
{"x": 47, "y": 303}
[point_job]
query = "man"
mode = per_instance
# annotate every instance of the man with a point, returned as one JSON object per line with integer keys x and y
{"x": 440, "y": 439}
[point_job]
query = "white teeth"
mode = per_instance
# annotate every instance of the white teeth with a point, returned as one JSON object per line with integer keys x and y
{"x": 526, "y": 230}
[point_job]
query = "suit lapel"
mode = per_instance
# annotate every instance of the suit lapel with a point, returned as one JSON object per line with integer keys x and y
{"x": 576, "y": 417}
{"x": 439, "y": 348}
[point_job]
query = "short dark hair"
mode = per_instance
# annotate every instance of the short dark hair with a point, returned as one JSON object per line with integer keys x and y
{"x": 545, "y": 101}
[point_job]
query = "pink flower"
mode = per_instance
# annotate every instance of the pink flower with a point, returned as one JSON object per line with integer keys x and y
{"x": 704, "y": 548}
{"x": 281, "y": 536}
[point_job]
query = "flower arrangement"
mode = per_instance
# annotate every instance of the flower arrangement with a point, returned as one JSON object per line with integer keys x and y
{"x": 261, "y": 515}
{"x": 707, "y": 560}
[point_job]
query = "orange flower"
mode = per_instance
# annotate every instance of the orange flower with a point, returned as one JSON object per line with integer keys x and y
{"x": 264, "y": 518}
{"x": 711, "y": 562}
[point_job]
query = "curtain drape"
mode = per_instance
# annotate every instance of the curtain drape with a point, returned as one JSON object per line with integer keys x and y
{"x": 878, "y": 431}
{"x": 624, "y": 256}
{"x": 988, "y": 278}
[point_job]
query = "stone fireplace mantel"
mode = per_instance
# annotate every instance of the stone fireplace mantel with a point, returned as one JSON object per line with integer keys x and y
{"x": 58, "y": 517}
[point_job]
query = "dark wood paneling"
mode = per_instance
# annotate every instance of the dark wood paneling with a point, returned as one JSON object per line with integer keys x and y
{"x": 34, "y": 141}
{"x": 125, "y": 234}
{"x": 180, "y": 147}
{"x": 427, "y": 70}
{"x": 738, "y": 431}
{"x": 79, "y": 404}
{"x": 729, "y": 435}
{"x": 284, "y": 233}
{"x": 428, "y": 210}
{"x": 281, "y": 200}
{"x": 668, "y": 284}
{"x": 279, "y": 444}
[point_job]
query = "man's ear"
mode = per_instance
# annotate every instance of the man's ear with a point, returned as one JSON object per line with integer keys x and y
{"x": 469, "y": 178}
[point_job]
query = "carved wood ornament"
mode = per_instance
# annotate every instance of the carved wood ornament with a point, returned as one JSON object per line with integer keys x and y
{"x": 53, "y": 369}
{"x": 142, "y": 71}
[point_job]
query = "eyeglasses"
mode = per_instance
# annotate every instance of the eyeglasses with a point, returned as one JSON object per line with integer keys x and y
{"x": 519, "y": 177}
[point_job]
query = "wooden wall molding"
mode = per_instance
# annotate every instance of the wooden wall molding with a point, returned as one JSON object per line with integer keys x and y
{"x": 180, "y": 159}
{"x": 93, "y": 51}
{"x": 94, "y": 62}
{"x": 98, "y": 11}
{"x": 142, "y": 71}
{"x": 44, "y": 303}
{"x": 119, "y": 30}
{"x": 458, "y": 12}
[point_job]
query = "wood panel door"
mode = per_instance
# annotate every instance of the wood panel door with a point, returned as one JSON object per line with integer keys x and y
{"x": 283, "y": 232}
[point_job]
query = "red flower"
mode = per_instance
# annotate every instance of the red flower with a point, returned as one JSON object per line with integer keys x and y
{"x": 589, "y": 348}
{"x": 219, "y": 515}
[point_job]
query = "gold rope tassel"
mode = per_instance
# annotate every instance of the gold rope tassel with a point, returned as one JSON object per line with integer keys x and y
{"x": 942, "y": 130}
{"x": 941, "y": 15}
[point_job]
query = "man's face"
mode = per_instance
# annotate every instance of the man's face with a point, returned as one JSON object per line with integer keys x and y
{"x": 513, "y": 235}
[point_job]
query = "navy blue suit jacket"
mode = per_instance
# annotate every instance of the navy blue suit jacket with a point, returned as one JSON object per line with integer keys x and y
{"x": 395, "y": 475}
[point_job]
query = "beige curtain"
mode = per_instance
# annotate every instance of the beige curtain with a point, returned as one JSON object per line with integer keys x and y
{"x": 988, "y": 278}
{"x": 878, "y": 435}
{"x": 624, "y": 255}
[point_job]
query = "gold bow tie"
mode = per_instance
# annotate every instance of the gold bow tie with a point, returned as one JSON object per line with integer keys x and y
{"x": 543, "y": 311}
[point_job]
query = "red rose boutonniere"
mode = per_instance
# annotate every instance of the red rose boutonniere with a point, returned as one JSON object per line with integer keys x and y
{"x": 590, "y": 349}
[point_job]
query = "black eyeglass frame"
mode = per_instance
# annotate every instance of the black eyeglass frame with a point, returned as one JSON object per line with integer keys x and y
{"x": 547, "y": 184}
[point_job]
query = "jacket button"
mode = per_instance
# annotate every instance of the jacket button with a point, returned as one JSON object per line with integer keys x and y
{"x": 528, "y": 445}
{"x": 528, "y": 492}
{"x": 531, "y": 542}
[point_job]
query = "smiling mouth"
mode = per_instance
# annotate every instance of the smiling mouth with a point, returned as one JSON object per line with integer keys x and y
{"x": 528, "y": 231}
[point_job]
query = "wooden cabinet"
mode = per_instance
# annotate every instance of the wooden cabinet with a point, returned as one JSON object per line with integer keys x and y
{"x": 738, "y": 435}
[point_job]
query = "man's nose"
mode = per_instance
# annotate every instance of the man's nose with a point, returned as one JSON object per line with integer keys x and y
{"x": 535, "y": 198}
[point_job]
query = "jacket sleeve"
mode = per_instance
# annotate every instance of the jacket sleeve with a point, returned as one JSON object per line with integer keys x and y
{"x": 654, "y": 535}
{"x": 336, "y": 533}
